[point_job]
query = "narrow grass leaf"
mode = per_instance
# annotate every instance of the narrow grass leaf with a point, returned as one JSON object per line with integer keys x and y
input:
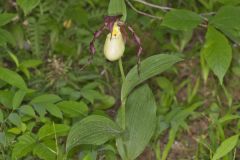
{"x": 225, "y": 147}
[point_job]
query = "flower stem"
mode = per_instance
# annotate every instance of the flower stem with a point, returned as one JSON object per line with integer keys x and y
{"x": 123, "y": 108}
{"x": 121, "y": 69}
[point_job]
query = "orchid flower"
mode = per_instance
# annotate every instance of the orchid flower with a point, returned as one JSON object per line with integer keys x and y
{"x": 116, "y": 39}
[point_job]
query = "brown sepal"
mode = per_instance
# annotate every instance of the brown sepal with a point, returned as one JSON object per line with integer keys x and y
{"x": 137, "y": 41}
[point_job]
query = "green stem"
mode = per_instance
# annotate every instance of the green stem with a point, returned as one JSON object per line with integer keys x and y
{"x": 157, "y": 150}
{"x": 56, "y": 141}
{"x": 123, "y": 115}
{"x": 121, "y": 69}
{"x": 123, "y": 112}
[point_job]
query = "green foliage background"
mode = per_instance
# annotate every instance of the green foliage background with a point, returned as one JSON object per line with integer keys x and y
{"x": 55, "y": 104}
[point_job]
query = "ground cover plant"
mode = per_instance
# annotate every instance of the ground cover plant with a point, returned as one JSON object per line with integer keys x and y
{"x": 119, "y": 79}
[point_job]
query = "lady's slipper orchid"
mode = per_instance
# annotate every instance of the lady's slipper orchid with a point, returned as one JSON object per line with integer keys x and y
{"x": 115, "y": 42}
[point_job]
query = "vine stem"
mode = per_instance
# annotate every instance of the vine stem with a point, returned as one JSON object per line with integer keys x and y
{"x": 163, "y": 8}
{"x": 141, "y": 12}
{"x": 123, "y": 112}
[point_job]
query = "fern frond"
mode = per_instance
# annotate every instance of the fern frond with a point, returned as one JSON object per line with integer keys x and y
{"x": 47, "y": 6}
{"x": 60, "y": 9}
{"x": 96, "y": 14}
{"x": 36, "y": 32}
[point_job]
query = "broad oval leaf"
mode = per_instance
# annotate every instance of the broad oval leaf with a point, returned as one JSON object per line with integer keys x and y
{"x": 150, "y": 67}
{"x": 45, "y": 151}
{"x": 12, "y": 78}
{"x": 40, "y": 109}
{"x": 94, "y": 130}
{"x": 6, "y": 18}
{"x": 27, "y": 110}
{"x": 6, "y": 37}
{"x": 24, "y": 146}
{"x": 6, "y": 98}
{"x": 140, "y": 122}
{"x": 226, "y": 21}
{"x": 225, "y": 147}
{"x": 27, "y": 5}
{"x": 73, "y": 109}
{"x": 54, "y": 110}
{"x": 15, "y": 119}
{"x": 50, "y": 130}
{"x": 46, "y": 98}
{"x": 217, "y": 52}
{"x": 18, "y": 98}
{"x": 31, "y": 63}
{"x": 180, "y": 19}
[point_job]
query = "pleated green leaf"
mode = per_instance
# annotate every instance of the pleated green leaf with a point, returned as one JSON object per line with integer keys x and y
{"x": 150, "y": 67}
{"x": 94, "y": 130}
{"x": 140, "y": 123}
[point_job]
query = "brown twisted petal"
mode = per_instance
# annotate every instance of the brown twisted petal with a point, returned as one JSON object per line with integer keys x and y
{"x": 123, "y": 31}
{"x": 92, "y": 48}
{"x": 97, "y": 34}
{"x": 138, "y": 43}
